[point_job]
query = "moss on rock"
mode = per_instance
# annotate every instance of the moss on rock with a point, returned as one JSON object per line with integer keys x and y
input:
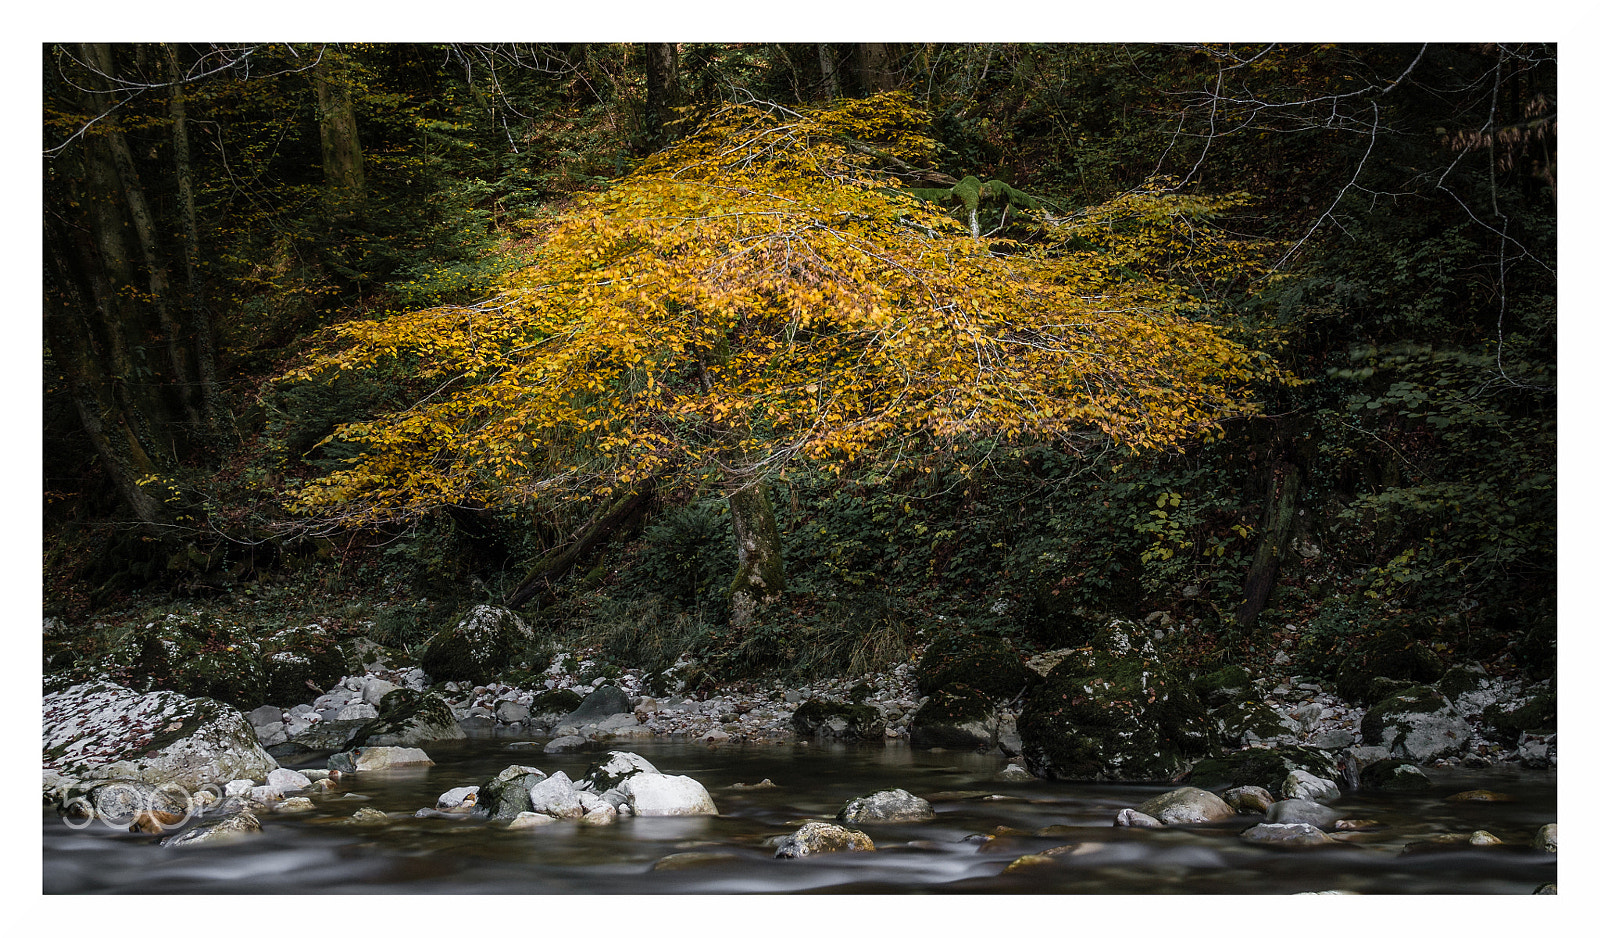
{"x": 985, "y": 664}
{"x": 477, "y": 648}
{"x": 835, "y": 718}
{"x": 1263, "y": 768}
{"x": 1220, "y": 687}
{"x": 1104, "y": 716}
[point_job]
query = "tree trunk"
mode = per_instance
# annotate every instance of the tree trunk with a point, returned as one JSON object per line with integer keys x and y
{"x": 619, "y": 516}
{"x": 759, "y": 579}
{"x": 343, "y": 169}
{"x": 1263, "y": 575}
{"x": 872, "y": 64}
{"x": 205, "y": 350}
{"x": 830, "y": 73}
{"x": 144, "y": 230}
{"x": 661, "y": 92}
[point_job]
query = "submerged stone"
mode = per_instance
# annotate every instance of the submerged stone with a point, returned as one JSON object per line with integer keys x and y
{"x": 1285, "y": 835}
{"x": 820, "y": 837}
{"x": 888, "y": 806}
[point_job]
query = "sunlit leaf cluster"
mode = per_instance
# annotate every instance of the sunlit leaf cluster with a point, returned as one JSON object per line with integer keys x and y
{"x": 764, "y": 292}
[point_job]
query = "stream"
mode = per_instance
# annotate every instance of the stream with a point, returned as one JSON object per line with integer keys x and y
{"x": 308, "y": 854}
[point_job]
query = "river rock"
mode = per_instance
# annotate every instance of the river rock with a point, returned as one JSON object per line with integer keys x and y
{"x": 1128, "y": 817}
{"x": 691, "y": 860}
{"x": 1285, "y": 835}
{"x": 1014, "y": 773}
{"x": 884, "y": 807}
{"x": 296, "y": 805}
{"x": 509, "y": 711}
{"x": 819, "y": 837}
{"x": 1266, "y": 768}
{"x": 365, "y": 816}
{"x": 378, "y": 758}
{"x": 407, "y": 717}
{"x": 1186, "y": 806}
{"x": 571, "y": 743}
{"x": 1302, "y": 784}
{"x": 358, "y": 711}
{"x": 836, "y": 719}
{"x": 484, "y": 642}
{"x": 1545, "y": 839}
{"x": 1248, "y": 799}
{"x": 1247, "y": 723}
{"x": 265, "y": 715}
{"x": 506, "y": 795}
{"x": 232, "y": 828}
{"x": 617, "y": 767}
{"x": 556, "y": 797}
{"x": 119, "y": 803}
{"x": 286, "y": 780}
{"x": 654, "y": 795}
{"x": 1417, "y": 725}
{"x": 604, "y": 701}
{"x": 1301, "y": 811}
{"x": 1393, "y": 775}
{"x": 1103, "y": 716}
{"x": 528, "y": 819}
{"x": 103, "y": 731}
{"x": 375, "y": 689}
{"x": 955, "y": 717}
{"x": 458, "y": 799}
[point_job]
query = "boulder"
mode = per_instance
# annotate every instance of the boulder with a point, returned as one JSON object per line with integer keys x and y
{"x": 982, "y": 665}
{"x": 1417, "y": 725}
{"x": 1545, "y": 839}
{"x": 955, "y": 716}
{"x": 286, "y": 780}
{"x": 1128, "y": 817}
{"x": 1219, "y": 688}
{"x": 651, "y": 794}
{"x": 407, "y": 717}
{"x": 375, "y": 689}
{"x": 1302, "y": 784}
{"x": 509, "y": 711}
{"x": 820, "y": 837}
{"x": 229, "y": 829}
{"x": 838, "y": 720}
{"x": 1186, "y": 806}
{"x": 556, "y": 797}
{"x": 1285, "y": 835}
{"x": 507, "y": 795}
{"x": 1300, "y": 811}
{"x": 1112, "y": 717}
{"x": 1393, "y": 775}
{"x": 604, "y": 701}
{"x": 1248, "y": 799}
{"x": 478, "y": 647}
{"x": 378, "y": 758}
{"x": 884, "y": 807}
{"x": 457, "y": 799}
{"x": 1247, "y": 723}
{"x": 1266, "y": 768}
{"x": 104, "y": 731}
{"x": 617, "y": 768}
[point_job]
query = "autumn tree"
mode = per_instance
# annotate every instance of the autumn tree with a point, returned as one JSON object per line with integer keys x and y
{"x": 764, "y": 292}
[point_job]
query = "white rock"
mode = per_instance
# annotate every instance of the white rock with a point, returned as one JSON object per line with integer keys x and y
{"x": 375, "y": 690}
{"x": 360, "y": 711}
{"x": 376, "y": 758}
{"x": 1302, "y": 784}
{"x": 654, "y": 795}
{"x": 527, "y": 819}
{"x": 287, "y": 780}
{"x": 556, "y": 797}
{"x": 458, "y": 799}
{"x": 237, "y": 787}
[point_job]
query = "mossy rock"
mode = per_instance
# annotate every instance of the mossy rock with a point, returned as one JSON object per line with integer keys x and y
{"x": 1110, "y": 717}
{"x": 1221, "y": 687}
{"x": 1462, "y": 679}
{"x": 407, "y": 717}
{"x": 956, "y": 717}
{"x": 840, "y": 720}
{"x": 559, "y": 701}
{"x": 1536, "y": 716}
{"x": 1398, "y": 654}
{"x": 987, "y": 665}
{"x": 1394, "y": 775}
{"x": 1417, "y": 723}
{"x": 479, "y": 647}
{"x": 1263, "y": 768}
{"x": 1253, "y": 723}
{"x": 301, "y": 663}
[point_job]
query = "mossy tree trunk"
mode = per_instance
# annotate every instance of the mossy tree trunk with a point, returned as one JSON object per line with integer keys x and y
{"x": 1263, "y": 575}
{"x": 343, "y": 167}
{"x": 759, "y": 580}
{"x": 661, "y": 92}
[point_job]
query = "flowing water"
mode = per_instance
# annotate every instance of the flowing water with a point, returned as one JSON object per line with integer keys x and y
{"x": 308, "y": 853}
